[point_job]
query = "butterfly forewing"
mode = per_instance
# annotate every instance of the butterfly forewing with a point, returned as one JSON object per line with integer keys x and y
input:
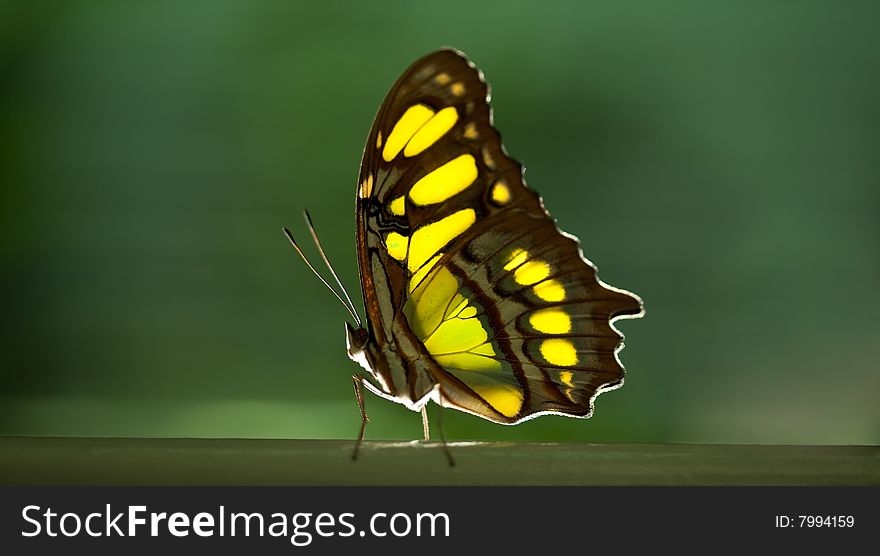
{"x": 468, "y": 282}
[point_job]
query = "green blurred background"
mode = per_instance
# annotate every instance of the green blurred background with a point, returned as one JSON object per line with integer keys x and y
{"x": 719, "y": 159}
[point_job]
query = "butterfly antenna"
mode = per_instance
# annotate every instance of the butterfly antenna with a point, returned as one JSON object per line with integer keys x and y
{"x": 330, "y": 266}
{"x": 329, "y": 287}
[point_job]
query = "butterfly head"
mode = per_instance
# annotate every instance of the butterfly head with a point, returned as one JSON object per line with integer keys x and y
{"x": 362, "y": 350}
{"x": 356, "y": 340}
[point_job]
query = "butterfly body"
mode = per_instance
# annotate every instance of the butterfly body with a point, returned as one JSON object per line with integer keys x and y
{"x": 474, "y": 298}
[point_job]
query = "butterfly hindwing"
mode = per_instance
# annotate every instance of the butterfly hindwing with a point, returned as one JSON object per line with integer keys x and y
{"x": 464, "y": 273}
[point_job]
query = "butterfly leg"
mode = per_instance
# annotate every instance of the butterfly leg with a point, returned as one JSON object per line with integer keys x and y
{"x": 443, "y": 435}
{"x": 426, "y": 428}
{"x": 359, "y": 395}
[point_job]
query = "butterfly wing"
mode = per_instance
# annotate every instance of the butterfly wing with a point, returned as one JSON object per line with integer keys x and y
{"x": 459, "y": 258}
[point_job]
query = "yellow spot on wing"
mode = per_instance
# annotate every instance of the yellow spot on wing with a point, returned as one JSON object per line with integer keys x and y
{"x": 506, "y": 399}
{"x": 531, "y": 272}
{"x": 366, "y": 188}
{"x": 500, "y": 193}
{"x": 457, "y": 89}
{"x": 470, "y": 131}
{"x": 432, "y": 131}
{"x": 398, "y": 206}
{"x": 396, "y": 245}
{"x": 467, "y": 361}
{"x": 565, "y": 377}
{"x": 428, "y": 239}
{"x": 550, "y": 290}
{"x": 517, "y": 257}
{"x": 444, "y": 182}
{"x": 551, "y": 321}
{"x": 498, "y": 386}
{"x": 442, "y": 78}
{"x": 487, "y": 158}
{"x": 407, "y": 126}
{"x": 485, "y": 349}
{"x": 456, "y": 306}
{"x": 427, "y": 303}
{"x": 456, "y": 335}
{"x": 417, "y": 278}
{"x": 379, "y": 141}
{"x": 559, "y": 351}
{"x": 440, "y": 316}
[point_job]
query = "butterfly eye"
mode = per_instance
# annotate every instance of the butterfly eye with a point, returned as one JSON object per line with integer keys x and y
{"x": 356, "y": 338}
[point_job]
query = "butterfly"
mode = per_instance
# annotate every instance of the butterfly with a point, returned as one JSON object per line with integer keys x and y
{"x": 473, "y": 297}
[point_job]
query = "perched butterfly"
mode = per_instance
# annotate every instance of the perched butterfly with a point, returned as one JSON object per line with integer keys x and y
{"x": 474, "y": 298}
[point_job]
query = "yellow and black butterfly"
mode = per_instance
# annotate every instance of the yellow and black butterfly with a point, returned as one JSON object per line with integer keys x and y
{"x": 474, "y": 298}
